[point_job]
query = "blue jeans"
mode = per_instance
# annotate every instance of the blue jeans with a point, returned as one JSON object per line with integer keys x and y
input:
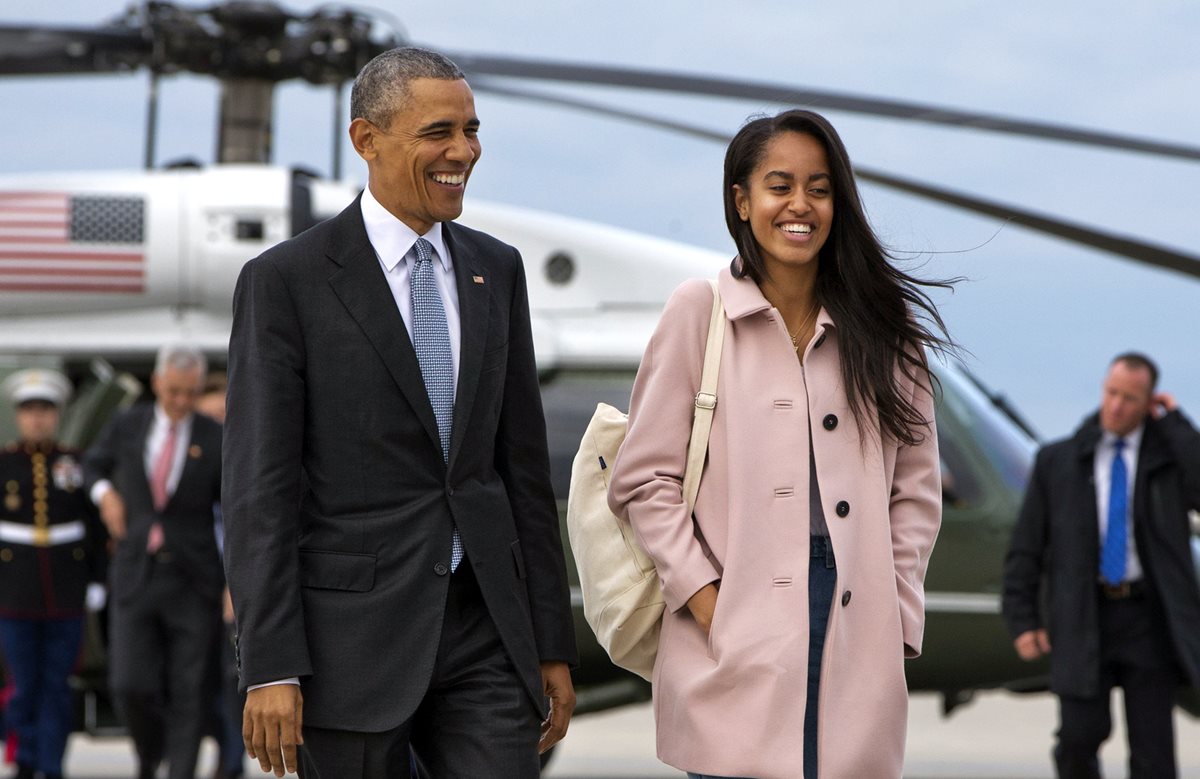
{"x": 822, "y": 580}
{"x": 40, "y": 654}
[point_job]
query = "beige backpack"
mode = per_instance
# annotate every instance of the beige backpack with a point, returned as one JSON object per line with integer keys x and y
{"x": 622, "y": 596}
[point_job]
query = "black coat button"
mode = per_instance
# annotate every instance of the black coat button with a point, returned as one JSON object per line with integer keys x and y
{"x": 450, "y": 491}
{"x": 441, "y": 569}
{"x": 846, "y": 598}
{"x": 830, "y": 421}
{"x": 842, "y": 508}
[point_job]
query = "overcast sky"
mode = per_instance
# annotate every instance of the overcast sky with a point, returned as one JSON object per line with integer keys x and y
{"x": 1040, "y": 317}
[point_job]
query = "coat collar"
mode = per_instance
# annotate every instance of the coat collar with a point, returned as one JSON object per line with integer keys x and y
{"x": 360, "y": 284}
{"x": 742, "y": 298}
{"x": 1152, "y": 453}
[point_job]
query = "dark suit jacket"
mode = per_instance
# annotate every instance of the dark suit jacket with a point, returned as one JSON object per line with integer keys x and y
{"x": 338, "y": 506}
{"x": 1057, "y": 537}
{"x": 187, "y": 520}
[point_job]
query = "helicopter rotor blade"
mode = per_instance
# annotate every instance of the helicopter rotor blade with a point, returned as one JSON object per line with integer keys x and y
{"x": 1140, "y": 252}
{"x": 64, "y": 50}
{"x": 813, "y": 98}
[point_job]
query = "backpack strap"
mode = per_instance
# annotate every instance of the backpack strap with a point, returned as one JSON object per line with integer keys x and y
{"x": 706, "y": 400}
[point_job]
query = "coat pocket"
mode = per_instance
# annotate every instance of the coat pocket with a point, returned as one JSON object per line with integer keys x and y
{"x": 345, "y": 571}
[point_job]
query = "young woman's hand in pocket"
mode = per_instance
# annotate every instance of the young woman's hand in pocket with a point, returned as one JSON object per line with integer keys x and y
{"x": 703, "y": 604}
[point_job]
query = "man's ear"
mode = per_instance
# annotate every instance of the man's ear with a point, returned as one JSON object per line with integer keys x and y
{"x": 363, "y": 136}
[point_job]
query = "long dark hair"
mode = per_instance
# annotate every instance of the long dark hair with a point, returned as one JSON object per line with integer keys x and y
{"x": 884, "y": 318}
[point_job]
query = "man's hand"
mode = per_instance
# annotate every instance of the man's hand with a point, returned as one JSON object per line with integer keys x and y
{"x": 556, "y": 679}
{"x": 227, "y": 608}
{"x": 112, "y": 513}
{"x": 703, "y": 604}
{"x": 1032, "y": 644}
{"x": 1161, "y": 404}
{"x": 271, "y": 724}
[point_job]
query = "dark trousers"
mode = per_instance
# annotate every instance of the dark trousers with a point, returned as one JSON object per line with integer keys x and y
{"x": 161, "y": 639}
{"x": 475, "y": 720}
{"x": 40, "y": 654}
{"x": 1135, "y": 655}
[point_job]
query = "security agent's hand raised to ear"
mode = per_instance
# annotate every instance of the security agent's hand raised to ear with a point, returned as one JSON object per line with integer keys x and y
{"x": 271, "y": 726}
{"x": 1162, "y": 403}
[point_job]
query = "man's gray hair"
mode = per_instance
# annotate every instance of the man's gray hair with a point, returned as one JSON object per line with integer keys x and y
{"x": 384, "y": 84}
{"x": 180, "y": 357}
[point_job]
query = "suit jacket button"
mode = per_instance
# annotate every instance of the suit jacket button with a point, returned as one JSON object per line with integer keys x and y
{"x": 441, "y": 569}
{"x": 842, "y": 508}
{"x": 830, "y": 421}
{"x": 846, "y": 598}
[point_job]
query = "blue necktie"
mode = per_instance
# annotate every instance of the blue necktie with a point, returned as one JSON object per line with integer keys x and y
{"x": 1116, "y": 536}
{"x": 431, "y": 339}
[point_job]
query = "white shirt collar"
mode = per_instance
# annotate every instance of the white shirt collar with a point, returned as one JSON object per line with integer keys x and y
{"x": 1133, "y": 440}
{"x": 163, "y": 422}
{"x": 392, "y": 239}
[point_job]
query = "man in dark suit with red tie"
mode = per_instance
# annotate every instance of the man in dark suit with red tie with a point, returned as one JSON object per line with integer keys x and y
{"x": 1105, "y": 525}
{"x": 392, "y": 543}
{"x": 155, "y": 473}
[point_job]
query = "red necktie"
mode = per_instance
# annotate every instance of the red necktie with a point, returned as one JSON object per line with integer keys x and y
{"x": 158, "y": 486}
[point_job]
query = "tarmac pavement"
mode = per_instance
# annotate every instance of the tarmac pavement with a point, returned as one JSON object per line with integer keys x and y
{"x": 998, "y": 736}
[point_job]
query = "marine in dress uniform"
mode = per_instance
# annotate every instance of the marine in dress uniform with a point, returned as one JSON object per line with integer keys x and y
{"x": 51, "y": 551}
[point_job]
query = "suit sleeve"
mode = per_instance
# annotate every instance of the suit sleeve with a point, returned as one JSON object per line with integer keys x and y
{"x": 523, "y": 462}
{"x": 100, "y": 459}
{"x": 915, "y": 513}
{"x": 262, "y": 447}
{"x": 647, "y": 478}
{"x": 1026, "y": 553}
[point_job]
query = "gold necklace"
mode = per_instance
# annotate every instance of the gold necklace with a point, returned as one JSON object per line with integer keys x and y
{"x": 803, "y": 326}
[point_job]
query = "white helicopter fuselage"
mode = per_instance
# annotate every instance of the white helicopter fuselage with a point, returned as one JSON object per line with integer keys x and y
{"x": 82, "y": 275}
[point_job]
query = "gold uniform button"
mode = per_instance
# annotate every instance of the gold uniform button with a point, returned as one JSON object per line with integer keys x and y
{"x": 41, "y": 493}
{"x": 5, "y": 555}
{"x": 12, "y": 486}
{"x": 77, "y": 553}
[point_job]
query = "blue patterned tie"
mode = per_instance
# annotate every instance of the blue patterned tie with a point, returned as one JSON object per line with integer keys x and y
{"x": 431, "y": 339}
{"x": 1116, "y": 536}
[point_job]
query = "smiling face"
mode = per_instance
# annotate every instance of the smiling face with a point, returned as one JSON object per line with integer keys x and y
{"x": 788, "y": 201}
{"x": 419, "y": 165}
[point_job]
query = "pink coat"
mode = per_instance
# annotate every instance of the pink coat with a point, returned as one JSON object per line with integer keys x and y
{"x": 732, "y": 703}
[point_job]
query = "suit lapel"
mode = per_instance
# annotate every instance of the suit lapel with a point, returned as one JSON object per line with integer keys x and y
{"x": 364, "y": 291}
{"x": 189, "y": 462}
{"x": 474, "y": 304}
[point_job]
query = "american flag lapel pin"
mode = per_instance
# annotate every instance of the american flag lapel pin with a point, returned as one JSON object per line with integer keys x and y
{"x": 477, "y": 279}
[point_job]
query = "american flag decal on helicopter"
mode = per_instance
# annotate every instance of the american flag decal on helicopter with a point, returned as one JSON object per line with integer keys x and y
{"x": 57, "y": 242}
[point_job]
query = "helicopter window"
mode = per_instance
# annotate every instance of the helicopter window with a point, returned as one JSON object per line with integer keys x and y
{"x": 1007, "y": 447}
{"x": 560, "y": 268}
{"x": 960, "y": 484}
{"x": 249, "y": 230}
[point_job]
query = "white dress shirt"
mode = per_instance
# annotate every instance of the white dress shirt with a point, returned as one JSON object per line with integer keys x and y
{"x": 394, "y": 241}
{"x": 1105, "y": 451}
{"x": 159, "y": 428}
